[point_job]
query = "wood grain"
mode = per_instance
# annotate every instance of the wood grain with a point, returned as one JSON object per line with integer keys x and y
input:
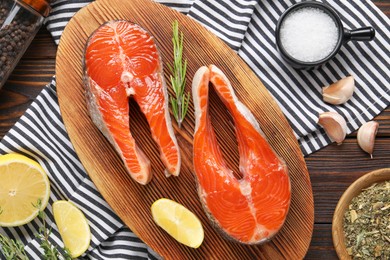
{"x": 132, "y": 201}
{"x": 332, "y": 172}
{"x": 32, "y": 73}
{"x": 331, "y": 169}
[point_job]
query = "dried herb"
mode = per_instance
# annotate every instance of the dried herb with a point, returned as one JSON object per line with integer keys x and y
{"x": 367, "y": 223}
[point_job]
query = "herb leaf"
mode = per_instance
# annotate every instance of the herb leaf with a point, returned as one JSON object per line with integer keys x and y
{"x": 50, "y": 251}
{"x": 12, "y": 249}
{"x": 178, "y": 70}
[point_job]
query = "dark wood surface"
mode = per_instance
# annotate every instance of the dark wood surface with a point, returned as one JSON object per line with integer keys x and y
{"x": 331, "y": 169}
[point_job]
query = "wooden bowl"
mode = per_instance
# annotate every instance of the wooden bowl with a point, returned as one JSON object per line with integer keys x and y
{"x": 353, "y": 190}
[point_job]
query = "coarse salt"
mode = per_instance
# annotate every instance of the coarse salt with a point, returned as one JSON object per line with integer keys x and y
{"x": 309, "y": 34}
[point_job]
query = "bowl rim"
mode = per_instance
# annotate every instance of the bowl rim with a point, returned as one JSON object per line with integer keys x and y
{"x": 352, "y": 191}
{"x": 324, "y": 7}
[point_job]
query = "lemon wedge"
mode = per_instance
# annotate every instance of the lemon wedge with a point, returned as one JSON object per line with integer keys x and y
{"x": 73, "y": 227}
{"x": 178, "y": 221}
{"x": 23, "y": 182}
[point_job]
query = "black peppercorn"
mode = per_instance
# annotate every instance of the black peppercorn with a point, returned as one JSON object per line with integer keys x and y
{"x": 19, "y": 22}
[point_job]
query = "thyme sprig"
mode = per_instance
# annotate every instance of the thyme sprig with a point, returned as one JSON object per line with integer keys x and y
{"x": 12, "y": 249}
{"x": 51, "y": 252}
{"x": 178, "y": 70}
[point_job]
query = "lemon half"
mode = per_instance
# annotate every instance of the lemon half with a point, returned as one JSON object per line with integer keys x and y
{"x": 23, "y": 182}
{"x": 73, "y": 227}
{"x": 178, "y": 221}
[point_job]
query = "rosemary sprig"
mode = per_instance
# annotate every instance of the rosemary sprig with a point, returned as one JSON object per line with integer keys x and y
{"x": 178, "y": 78}
{"x": 51, "y": 252}
{"x": 12, "y": 249}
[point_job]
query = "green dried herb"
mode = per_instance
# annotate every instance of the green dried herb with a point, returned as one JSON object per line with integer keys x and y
{"x": 367, "y": 223}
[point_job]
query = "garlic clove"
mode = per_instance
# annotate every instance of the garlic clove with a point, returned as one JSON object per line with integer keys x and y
{"x": 339, "y": 92}
{"x": 366, "y": 136}
{"x": 334, "y": 125}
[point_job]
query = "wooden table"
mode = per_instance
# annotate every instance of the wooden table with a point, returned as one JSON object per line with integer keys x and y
{"x": 331, "y": 169}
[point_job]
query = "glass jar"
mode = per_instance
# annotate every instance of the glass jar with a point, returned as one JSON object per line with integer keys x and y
{"x": 20, "y": 21}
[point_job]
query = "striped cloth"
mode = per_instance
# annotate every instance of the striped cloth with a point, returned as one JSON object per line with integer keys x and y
{"x": 247, "y": 26}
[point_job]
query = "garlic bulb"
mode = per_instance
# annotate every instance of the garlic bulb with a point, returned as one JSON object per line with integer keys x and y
{"x": 339, "y": 92}
{"x": 334, "y": 125}
{"x": 366, "y": 136}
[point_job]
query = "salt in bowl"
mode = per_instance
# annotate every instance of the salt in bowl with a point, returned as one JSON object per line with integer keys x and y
{"x": 310, "y": 33}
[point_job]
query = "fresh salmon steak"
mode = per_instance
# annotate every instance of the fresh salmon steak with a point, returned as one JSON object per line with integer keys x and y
{"x": 251, "y": 209}
{"x": 121, "y": 61}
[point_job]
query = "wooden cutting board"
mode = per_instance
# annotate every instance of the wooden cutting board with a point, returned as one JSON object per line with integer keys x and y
{"x": 132, "y": 201}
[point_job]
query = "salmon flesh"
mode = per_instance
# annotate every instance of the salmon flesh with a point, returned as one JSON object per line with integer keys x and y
{"x": 250, "y": 210}
{"x": 121, "y": 60}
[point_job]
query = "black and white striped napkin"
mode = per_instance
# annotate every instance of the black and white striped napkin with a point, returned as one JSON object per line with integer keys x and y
{"x": 247, "y": 26}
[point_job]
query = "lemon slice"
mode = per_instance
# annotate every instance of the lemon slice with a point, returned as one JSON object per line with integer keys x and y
{"x": 178, "y": 221}
{"x": 23, "y": 182}
{"x": 73, "y": 227}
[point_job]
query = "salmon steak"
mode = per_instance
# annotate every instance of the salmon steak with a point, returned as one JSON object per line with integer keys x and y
{"x": 121, "y": 61}
{"x": 251, "y": 209}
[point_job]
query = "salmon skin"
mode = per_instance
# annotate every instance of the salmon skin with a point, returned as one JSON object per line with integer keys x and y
{"x": 250, "y": 210}
{"x": 121, "y": 60}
